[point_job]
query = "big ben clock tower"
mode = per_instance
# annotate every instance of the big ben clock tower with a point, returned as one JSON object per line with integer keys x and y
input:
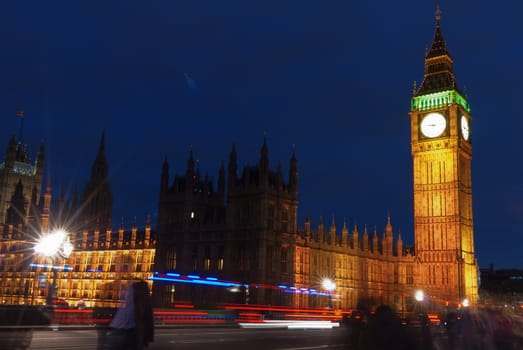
{"x": 442, "y": 152}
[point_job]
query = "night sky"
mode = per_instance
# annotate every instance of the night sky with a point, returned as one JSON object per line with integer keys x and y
{"x": 331, "y": 78}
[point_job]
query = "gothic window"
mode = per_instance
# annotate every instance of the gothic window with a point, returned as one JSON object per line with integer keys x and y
{"x": 139, "y": 259}
{"x": 171, "y": 258}
{"x": 220, "y": 258}
{"x": 126, "y": 262}
{"x": 410, "y": 275}
{"x": 207, "y": 259}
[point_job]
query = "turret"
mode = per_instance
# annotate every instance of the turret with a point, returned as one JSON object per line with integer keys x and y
{"x": 332, "y": 232}
{"x": 190, "y": 173}
{"x": 321, "y": 232}
{"x": 97, "y": 199}
{"x": 307, "y": 228}
{"x": 365, "y": 239}
{"x": 108, "y": 237}
{"x": 147, "y": 237}
{"x": 96, "y": 238}
{"x": 439, "y": 74}
{"x": 134, "y": 231}
{"x": 344, "y": 234}
{"x": 388, "y": 238}
{"x": 44, "y": 216}
{"x": 375, "y": 242}
{"x": 120, "y": 235}
{"x": 400, "y": 245}
{"x": 355, "y": 238}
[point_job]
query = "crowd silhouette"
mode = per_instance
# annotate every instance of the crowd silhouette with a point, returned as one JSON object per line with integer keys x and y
{"x": 458, "y": 330}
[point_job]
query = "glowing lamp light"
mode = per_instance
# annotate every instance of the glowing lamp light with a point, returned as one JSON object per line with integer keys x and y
{"x": 419, "y": 296}
{"x": 50, "y": 244}
{"x": 328, "y": 285}
{"x": 466, "y": 302}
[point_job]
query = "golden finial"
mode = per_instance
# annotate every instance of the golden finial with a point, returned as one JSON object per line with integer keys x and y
{"x": 438, "y": 13}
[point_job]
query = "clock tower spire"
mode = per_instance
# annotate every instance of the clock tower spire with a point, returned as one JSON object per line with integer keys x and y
{"x": 441, "y": 154}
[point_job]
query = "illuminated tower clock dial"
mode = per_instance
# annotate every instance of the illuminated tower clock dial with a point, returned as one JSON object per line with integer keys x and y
{"x": 465, "y": 131}
{"x": 433, "y": 125}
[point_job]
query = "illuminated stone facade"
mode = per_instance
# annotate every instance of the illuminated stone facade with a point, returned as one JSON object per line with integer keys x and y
{"x": 102, "y": 263}
{"x": 17, "y": 172}
{"x": 102, "y": 267}
{"x": 246, "y": 230}
{"x": 442, "y": 153}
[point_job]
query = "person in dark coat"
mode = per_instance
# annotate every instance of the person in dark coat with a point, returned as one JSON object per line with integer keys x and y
{"x": 132, "y": 327}
{"x": 385, "y": 332}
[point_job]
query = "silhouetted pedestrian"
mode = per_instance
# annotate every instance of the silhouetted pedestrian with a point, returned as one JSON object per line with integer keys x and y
{"x": 355, "y": 324}
{"x": 426, "y": 335}
{"x": 132, "y": 327}
{"x": 385, "y": 332}
{"x": 452, "y": 326}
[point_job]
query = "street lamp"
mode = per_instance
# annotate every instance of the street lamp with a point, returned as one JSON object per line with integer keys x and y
{"x": 55, "y": 245}
{"x": 466, "y": 302}
{"x": 329, "y": 286}
{"x": 419, "y": 296}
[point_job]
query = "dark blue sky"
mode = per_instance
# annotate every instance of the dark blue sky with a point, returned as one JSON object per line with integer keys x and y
{"x": 333, "y": 78}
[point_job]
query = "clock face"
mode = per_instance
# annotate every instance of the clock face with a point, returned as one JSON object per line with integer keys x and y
{"x": 433, "y": 125}
{"x": 465, "y": 131}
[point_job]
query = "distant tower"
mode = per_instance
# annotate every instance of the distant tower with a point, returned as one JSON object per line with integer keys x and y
{"x": 97, "y": 200}
{"x": 442, "y": 153}
{"x": 16, "y": 170}
{"x": 242, "y": 231}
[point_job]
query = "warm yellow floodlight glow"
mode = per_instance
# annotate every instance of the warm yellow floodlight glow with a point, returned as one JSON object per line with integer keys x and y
{"x": 53, "y": 243}
{"x": 328, "y": 284}
{"x": 419, "y": 296}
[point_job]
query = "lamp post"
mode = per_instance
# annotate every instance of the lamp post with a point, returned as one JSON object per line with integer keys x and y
{"x": 54, "y": 245}
{"x": 329, "y": 286}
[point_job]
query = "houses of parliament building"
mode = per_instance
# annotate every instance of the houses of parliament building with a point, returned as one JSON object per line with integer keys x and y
{"x": 244, "y": 228}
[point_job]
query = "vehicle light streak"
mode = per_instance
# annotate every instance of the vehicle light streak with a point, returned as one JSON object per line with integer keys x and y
{"x": 56, "y": 267}
{"x": 195, "y": 281}
{"x": 213, "y": 281}
{"x": 291, "y": 324}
